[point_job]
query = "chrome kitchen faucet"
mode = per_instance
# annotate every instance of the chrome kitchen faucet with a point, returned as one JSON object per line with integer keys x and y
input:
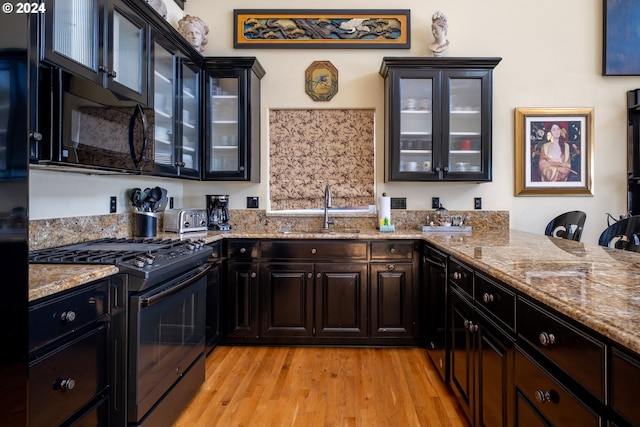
{"x": 327, "y": 205}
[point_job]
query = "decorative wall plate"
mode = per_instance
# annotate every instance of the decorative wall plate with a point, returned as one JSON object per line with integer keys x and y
{"x": 321, "y": 80}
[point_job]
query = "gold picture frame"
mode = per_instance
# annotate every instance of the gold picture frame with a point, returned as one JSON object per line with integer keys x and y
{"x": 324, "y": 29}
{"x": 321, "y": 80}
{"x": 554, "y": 151}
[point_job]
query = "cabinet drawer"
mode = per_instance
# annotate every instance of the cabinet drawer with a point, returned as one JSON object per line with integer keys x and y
{"x": 68, "y": 378}
{"x": 558, "y": 405}
{"x": 57, "y": 317}
{"x": 391, "y": 250}
{"x": 242, "y": 249}
{"x": 574, "y": 351}
{"x": 461, "y": 275}
{"x": 625, "y": 377}
{"x": 314, "y": 249}
{"x": 498, "y": 301}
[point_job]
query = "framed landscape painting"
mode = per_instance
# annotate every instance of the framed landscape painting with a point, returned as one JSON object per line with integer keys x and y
{"x": 554, "y": 151}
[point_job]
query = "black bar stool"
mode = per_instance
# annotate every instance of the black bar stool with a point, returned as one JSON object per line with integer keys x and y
{"x": 567, "y": 226}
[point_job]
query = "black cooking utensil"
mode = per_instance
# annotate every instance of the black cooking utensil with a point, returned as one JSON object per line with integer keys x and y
{"x": 162, "y": 201}
{"x": 134, "y": 196}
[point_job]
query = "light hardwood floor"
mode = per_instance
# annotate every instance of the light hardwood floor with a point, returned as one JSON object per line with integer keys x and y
{"x": 310, "y": 386}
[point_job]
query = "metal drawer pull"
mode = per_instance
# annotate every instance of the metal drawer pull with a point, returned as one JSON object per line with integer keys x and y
{"x": 546, "y": 339}
{"x": 457, "y": 275}
{"x": 67, "y": 384}
{"x": 468, "y": 324}
{"x": 487, "y": 298}
{"x": 543, "y": 396}
{"x": 391, "y": 267}
{"x": 68, "y": 316}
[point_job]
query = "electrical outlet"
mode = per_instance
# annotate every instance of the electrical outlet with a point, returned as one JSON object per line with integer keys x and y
{"x": 477, "y": 203}
{"x": 435, "y": 202}
{"x": 252, "y": 202}
{"x": 170, "y": 202}
{"x": 398, "y": 203}
{"x": 113, "y": 207}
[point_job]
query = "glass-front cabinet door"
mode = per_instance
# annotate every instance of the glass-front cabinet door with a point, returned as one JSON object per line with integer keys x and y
{"x": 127, "y": 70}
{"x": 190, "y": 120}
{"x": 72, "y": 36}
{"x": 438, "y": 118}
{"x": 176, "y": 105}
{"x": 101, "y": 40}
{"x": 232, "y": 119}
{"x": 224, "y": 149}
{"x": 164, "y": 90}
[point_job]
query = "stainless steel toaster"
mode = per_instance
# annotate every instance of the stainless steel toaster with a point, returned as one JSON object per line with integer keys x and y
{"x": 184, "y": 220}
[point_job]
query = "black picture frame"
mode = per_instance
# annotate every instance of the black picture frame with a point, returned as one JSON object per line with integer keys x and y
{"x": 621, "y": 38}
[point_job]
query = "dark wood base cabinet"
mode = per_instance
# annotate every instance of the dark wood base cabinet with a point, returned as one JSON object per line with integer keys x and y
{"x": 321, "y": 292}
{"x": 481, "y": 365}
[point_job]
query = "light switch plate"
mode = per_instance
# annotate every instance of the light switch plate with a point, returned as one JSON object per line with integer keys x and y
{"x": 253, "y": 202}
{"x": 435, "y": 202}
{"x": 477, "y": 203}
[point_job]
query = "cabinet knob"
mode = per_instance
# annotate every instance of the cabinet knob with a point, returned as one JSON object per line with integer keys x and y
{"x": 391, "y": 267}
{"x": 547, "y": 339}
{"x": 35, "y": 136}
{"x": 68, "y": 316}
{"x": 458, "y": 276}
{"x": 241, "y": 168}
{"x": 309, "y": 275}
{"x": 243, "y": 250}
{"x": 487, "y": 298}
{"x": 314, "y": 250}
{"x": 253, "y": 275}
{"x": 318, "y": 275}
{"x": 64, "y": 384}
{"x": 543, "y": 396}
{"x": 473, "y": 327}
{"x": 392, "y": 250}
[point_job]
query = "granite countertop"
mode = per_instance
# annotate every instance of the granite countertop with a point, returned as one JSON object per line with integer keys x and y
{"x": 599, "y": 287}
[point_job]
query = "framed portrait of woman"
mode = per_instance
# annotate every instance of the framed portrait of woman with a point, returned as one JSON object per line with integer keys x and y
{"x": 554, "y": 151}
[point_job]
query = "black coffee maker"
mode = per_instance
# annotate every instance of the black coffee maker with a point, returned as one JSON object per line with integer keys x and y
{"x": 218, "y": 212}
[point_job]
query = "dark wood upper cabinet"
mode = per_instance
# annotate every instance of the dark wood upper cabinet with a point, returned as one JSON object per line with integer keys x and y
{"x": 232, "y": 119}
{"x": 438, "y": 118}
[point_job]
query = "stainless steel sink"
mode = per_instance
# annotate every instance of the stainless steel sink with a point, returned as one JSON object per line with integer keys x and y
{"x": 319, "y": 231}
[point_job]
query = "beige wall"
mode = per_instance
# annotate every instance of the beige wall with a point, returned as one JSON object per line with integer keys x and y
{"x": 551, "y": 58}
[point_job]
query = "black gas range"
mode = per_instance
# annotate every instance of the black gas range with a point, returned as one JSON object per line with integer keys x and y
{"x": 158, "y": 322}
{"x": 147, "y": 262}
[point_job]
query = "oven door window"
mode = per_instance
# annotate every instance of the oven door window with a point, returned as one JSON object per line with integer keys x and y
{"x": 166, "y": 337}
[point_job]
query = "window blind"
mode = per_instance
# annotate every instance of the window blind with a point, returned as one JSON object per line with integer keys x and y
{"x": 311, "y": 148}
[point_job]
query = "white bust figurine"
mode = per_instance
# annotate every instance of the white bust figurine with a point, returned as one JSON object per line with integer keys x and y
{"x": 439, "y": 29}
{"x": 194, "y": 30}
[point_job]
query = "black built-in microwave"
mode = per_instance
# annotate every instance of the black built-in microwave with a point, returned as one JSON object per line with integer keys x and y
{"x": 93, "y": 128}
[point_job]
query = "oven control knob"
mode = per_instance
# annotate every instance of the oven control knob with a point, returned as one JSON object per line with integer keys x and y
{"x": 140, "y": 261}
{"x": 191, "y": 246}
{"x": 68, "y": 316}
{"x": 150, "y": 259}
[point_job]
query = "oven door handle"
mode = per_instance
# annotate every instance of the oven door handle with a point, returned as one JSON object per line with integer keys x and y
{"x": 160, "y": 296}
